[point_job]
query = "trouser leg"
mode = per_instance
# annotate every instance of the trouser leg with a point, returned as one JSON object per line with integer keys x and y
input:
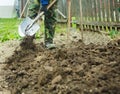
{"x": 50, "y": 23}
{"x": 33, "y": 9}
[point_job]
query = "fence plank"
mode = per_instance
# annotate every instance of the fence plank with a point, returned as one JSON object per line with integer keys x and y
{"x": 92, "y": 7}
{"x": 116, "y": 10}
{"x": 112, "y": 10}
{"x": 95, "y": 10}
{"x": 84, "y": 9}
{"x": 88, "y": 9}
{"x": 103, "y": 13}
{"x": 104, "y": 10}
{"x": 107, "y": 11}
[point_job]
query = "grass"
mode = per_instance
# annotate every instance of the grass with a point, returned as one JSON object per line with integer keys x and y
{"x": 113, "y": 34}
{"x": 9, "y": 29}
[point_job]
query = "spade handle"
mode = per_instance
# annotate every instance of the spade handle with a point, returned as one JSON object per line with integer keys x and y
{"x": 48, "y": 7}
{"x": 39, "y": 15}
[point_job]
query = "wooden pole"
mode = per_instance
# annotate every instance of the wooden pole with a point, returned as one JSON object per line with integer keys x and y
{"x": 24, "y": 8}
{"x": 81, "y": 18}
{"x": 69, "y": 16}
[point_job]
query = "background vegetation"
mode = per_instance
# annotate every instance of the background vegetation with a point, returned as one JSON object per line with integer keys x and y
{"x": 9, "y": 29}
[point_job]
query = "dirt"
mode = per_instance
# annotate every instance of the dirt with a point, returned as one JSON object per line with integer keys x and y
{"x": 27, "y": 43}
{"x": 73, "y": 68}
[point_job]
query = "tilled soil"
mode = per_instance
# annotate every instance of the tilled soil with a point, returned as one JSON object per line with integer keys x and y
{"x": 70, "y": 69}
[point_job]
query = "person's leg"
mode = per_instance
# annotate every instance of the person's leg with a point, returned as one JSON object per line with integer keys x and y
{"x": 50, "y": 23}
{"x": 33, "y": 9}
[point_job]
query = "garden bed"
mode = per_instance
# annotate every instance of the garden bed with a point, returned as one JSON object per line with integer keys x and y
{"x": 74, "y": 67}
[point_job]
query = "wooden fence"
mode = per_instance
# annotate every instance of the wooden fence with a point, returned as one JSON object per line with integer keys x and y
{"x": 92, "y": 14}
{"x": 96, "y": 14}
{"x": 23, "y": 8}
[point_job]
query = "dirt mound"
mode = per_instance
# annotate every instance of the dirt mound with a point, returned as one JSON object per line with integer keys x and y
{"x": 73, "y": 69}
{"x": 27, "y": 43}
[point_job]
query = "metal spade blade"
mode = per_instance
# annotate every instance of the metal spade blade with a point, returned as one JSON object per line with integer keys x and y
{"x": 23, "y": 31}
{"x": 29, "y": 27}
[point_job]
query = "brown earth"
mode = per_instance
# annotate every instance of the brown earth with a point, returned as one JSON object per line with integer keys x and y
{"x": 75, "y": 68}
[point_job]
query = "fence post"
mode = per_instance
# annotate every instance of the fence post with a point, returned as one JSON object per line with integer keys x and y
{"x": 69, "y": 16}
{"x": 23, "y": 10}
{"x": 81, "y": 17}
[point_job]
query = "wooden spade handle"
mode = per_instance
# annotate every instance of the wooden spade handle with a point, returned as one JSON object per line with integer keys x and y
{"x": 48, "y": 7}
{"x": 39, "y": 15}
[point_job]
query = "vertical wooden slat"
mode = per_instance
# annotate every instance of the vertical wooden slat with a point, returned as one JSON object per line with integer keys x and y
{"x": 93, "y": 4}
{"x": 116, "y": 11}
{"x": 99, "y": 13}
{"x": 21, "y": 6}
{"x": 99, "y": 10}
{"x": 103, "y": 12}
{"x": 62, "y": 7}
{"x": 111, "y": 10}
{"x": 119, "y": 10}
{"x": 72, "y": 9}
{"x": 90, "y": 6}
{"x": 94, "y": 9}
{"x": 89, "y": 12}
{"x": 111, "y": 13}
{"x": 89, "y": 9}
{"x": 106, "y": 13}
{"x": 24, "y": 10}
{"x": 81, "y": 18}
{"x": 107, "y": 10}
{"x": 85, "y": 10}
{"x": 69, "y": 16}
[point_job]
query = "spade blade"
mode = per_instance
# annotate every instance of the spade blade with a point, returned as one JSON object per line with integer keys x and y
{"x": 23, "y": 31}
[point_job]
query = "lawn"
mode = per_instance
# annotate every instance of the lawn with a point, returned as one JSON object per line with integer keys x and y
{"x": 9, "y": 29}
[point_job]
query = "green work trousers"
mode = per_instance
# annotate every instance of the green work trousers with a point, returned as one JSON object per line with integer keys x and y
{"x": 49, "y": 21}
